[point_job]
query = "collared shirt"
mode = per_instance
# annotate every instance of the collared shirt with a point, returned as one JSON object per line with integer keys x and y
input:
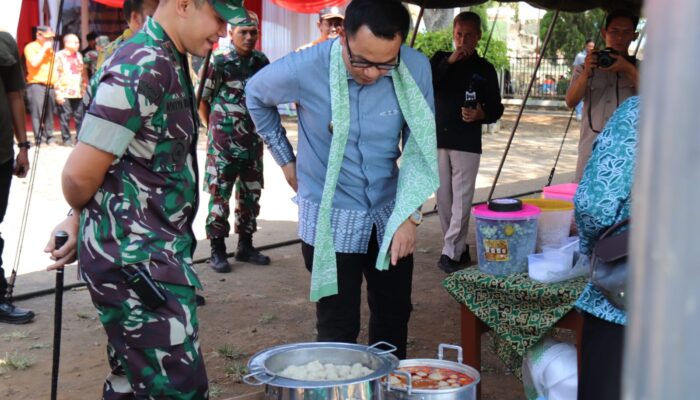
{"x": 604, "y": 93}
{"x": 40, "y": 73}
{"x": 580, "y": 58}
{"x": 231, "y": 131}
{"x": 366, "y": 188}
{"x": 604, "y": 195}
{"x": 143, "y": 112}
{"x": 69, "y": 75}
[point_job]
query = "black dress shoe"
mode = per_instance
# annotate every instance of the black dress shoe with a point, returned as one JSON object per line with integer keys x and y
{"x": 448, "y": 265}
{"x": 200, "y": 300}
{"x": 14, "y": 315}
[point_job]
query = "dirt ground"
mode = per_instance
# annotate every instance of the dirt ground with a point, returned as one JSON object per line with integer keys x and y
{"x": 257, "y": 307}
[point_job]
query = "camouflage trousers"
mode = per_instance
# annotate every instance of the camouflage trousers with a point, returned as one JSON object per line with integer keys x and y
{"x": 153, "y": 354}
{"x": 219, "y": 180}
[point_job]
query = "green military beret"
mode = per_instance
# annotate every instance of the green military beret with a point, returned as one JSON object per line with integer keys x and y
{"x": 231, "y": 11}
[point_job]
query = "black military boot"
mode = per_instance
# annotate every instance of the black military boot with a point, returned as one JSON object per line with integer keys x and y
{"x": 247, "y": 253}
{"x": 219, "y": 262}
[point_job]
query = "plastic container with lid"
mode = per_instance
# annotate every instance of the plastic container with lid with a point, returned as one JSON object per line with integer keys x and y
{"x": 554, "y": 223}
{"x": 564, "y": 191}
{"x": 504, "y": 239}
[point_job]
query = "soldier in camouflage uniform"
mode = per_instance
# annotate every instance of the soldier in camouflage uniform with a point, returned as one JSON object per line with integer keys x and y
{"x": 132, "y": 179}
{"x": 234, "y": 150}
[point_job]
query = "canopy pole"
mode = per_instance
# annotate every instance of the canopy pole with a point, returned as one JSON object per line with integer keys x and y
{"x": 547, "y": 38}
{"x": 415, "y": 28}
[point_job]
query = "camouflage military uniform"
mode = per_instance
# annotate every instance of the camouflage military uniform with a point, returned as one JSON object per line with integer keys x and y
{"x": 143, "y": 112}
{"x": 234, "y": 150}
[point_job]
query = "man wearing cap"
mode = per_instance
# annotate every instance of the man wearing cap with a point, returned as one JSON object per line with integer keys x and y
{"x": 132, "y": 184}
{"x": 234, "y": 150}
{"x": 330, "y": 24}
{"x": 38, "y": 55}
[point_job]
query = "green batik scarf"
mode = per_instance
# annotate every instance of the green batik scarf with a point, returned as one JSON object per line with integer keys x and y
{"x": 418, "y": 173}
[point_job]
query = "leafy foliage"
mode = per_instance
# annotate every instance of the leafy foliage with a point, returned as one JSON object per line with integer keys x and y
{"x": 429, "y": 43}
{"x": 571, "y": 31}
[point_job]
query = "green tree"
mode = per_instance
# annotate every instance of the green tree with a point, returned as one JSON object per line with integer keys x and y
{"x": 429, "y": 43}
{"x": 571, "y": 31}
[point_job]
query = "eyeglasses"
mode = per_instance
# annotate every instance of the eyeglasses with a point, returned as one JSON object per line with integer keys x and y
{"x": 368, "y": 64}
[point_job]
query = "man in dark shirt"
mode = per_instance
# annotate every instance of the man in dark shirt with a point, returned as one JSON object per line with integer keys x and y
{"x": 466, "y": 96}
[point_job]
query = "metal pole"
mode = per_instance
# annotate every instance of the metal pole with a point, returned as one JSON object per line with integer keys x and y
{"x": 522, "y": 106}
{"x": 59, "y": 241}
{"x": 415, "y": 28}
{"x": 662, "y": 351}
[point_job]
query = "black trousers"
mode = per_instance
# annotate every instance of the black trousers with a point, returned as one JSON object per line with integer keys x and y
{"x": 601, "y": 359}
{"x": 70, "y": 108}
{"x": 35, "y": 98}
{"x": 5, "y": 181}
{"x": 388, "y": 296}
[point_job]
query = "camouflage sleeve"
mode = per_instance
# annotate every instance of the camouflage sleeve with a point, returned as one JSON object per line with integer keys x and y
{"x": 210, "y": 81}
{"x": 126, "y": 97}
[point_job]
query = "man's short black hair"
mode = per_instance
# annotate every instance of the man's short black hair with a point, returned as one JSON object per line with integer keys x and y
{"x": 622, "y": 13}
{"x": 589, "y": 40}
{"x": 468, "y": 16}
{"x": 131, "y": 6}
{"x": 91, "y": 36}
{"x": 385, "y": 18}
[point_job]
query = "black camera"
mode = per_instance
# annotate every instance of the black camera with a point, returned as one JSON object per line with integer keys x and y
{"x": 605, "y": 60}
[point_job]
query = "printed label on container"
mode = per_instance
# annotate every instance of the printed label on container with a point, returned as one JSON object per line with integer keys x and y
{"x": 496, "y": 250}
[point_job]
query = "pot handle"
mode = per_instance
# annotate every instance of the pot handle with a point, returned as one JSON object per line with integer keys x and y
{"x": 373, "y": 348}
{"x": 444, "y": 346}
{"x": 409, "y": 385}
{"x": 254, "y": 380}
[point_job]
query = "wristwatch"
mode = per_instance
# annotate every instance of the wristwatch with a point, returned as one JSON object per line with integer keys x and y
{"x": 416, "y": 217}
{"x": 24, "y": 145}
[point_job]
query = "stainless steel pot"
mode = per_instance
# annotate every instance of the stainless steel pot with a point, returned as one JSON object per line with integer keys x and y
{"x": 466, "y": 392}
{"x": 266, "y": 365}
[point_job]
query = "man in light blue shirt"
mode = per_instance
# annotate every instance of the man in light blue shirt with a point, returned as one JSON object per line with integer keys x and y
{"x": 367, "y": 184}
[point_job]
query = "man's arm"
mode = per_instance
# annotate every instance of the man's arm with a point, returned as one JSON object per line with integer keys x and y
{"x": 84, "y": 173}
{"x": 35, "y": 54}
{"x": 579, "y": 81}
{"x": 275, "y": 84}
{"x": 16, "y": 100}
{"x": 492, "y": 107}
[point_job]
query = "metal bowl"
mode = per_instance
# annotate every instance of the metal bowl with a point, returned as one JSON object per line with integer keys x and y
{"x": 266, "y": 365}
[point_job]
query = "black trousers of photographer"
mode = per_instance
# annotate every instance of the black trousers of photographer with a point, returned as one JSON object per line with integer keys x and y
{"x": 5, "y": 181}
{"x": 388, "y": 296}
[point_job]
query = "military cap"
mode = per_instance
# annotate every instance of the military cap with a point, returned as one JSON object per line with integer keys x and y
{"x": 232, "y": 11}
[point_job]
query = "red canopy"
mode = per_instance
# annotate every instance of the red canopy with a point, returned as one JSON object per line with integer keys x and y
{"x": 308, "y": 6}
{"x": 111, "y": 3}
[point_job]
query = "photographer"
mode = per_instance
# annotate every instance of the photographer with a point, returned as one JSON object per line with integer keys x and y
{"x": 606, "y": 79}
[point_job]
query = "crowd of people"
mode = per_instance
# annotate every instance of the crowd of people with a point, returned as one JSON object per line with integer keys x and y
{"x": 365, "y": 101}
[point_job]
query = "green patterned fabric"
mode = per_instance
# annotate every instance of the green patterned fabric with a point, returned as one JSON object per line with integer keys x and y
{"x": 418, "y": 174}
{"x": 518, "y": 310}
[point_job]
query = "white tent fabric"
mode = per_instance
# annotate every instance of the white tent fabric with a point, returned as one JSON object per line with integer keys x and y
{"x": 283, "y": 30}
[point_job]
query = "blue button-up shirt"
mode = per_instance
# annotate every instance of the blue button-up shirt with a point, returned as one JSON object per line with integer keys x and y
{"x": 366, "y": 188}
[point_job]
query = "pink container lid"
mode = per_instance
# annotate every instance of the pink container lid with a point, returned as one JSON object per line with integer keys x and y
{"x": 564, "y": 189}
{"x": 528, "y": 212}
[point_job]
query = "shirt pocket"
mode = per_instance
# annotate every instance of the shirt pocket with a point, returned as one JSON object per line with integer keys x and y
{"x": 173, "y": 146}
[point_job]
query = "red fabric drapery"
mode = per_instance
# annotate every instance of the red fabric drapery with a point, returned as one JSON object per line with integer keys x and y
{"x": 28, "y": 18}
{"x": 111, "y": 3}
{"x": 308, "y": 6}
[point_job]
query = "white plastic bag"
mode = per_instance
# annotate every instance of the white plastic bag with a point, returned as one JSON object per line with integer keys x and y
{"x": 557, "y": 264}
{"x": 550, "y": 371}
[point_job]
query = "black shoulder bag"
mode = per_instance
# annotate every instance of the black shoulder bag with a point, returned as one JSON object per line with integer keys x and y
{"x": 609, "y": 264}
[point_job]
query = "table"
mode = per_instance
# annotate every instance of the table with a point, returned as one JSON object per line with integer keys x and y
{"x": 518, "y": 310}
{"x": 472, "y": 328}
